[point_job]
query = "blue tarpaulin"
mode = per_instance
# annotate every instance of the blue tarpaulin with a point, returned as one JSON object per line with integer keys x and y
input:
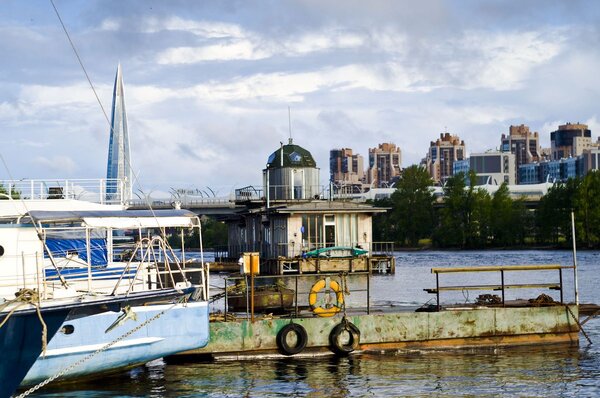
{"x": 61, "y": 247}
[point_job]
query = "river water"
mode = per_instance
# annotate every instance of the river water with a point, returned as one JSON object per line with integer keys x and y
{"x": 552, "y": 371}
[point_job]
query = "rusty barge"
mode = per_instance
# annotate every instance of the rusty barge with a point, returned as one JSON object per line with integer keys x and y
{"x": 332, "y": 314}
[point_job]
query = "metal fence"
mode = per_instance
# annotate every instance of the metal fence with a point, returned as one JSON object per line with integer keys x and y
{"x": 91, "y": 190}
{"x": 296, "y": 289}
{"x": 282, "y": 192}
{"x": 291, "y": 250}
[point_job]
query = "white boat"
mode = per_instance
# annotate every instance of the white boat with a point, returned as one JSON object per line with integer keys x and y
{"x": 65, "y": 249}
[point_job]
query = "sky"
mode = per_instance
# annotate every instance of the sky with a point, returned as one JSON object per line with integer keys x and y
{"x": 208, "y": 83}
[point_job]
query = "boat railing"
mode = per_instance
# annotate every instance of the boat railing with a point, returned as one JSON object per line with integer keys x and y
{"x": 298, "y": 249}
{"x": 65, "y": 269}
{"x": 183, "y": 202}
{"x": 381, "y": 248}
{"x": 501, "y": 286}
{"x": 289, "y": 294}
{"x": 103, "y": 190}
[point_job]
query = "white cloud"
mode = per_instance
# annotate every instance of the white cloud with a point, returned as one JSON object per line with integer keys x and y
{"x": 60, "y": 164}
{"x": 503, "y": 60}
{"x": 110, "y": 24}
{"x": 8, "y": 111}
{"x": 593, "y": 123}
{"x": 205, "y": 29}
{"x": 33, "y": 144}
{"x": 235, "y": 43}
{"x": 47, "y": 96}
{"x": 199, "y": 116}
{"x": 240, "y": 50}
{"x": 500, "y": 60}
{"x": 483, "y": 115}
{"x": 325, "y": 40}
{"x": 292, "y": 87}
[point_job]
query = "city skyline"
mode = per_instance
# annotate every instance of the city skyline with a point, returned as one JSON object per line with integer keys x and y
{"x": 208, "y": 85}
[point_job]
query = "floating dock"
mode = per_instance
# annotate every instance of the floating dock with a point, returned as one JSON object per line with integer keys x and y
{"x": 458, "y": 328}
{"x": 300, "y": 331}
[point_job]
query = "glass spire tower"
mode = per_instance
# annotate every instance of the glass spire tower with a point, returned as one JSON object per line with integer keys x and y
{"x": 119, "y": 164}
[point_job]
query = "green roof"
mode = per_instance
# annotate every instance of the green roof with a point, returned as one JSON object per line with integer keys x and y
{"x": 293, "y": 156}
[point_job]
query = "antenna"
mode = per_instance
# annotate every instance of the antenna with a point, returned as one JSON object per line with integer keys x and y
{"x": 290, "y": 123}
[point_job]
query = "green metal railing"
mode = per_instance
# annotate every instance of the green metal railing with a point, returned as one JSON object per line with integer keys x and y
{"x": 240, "y": 287}
{"x": 502, "y": 286}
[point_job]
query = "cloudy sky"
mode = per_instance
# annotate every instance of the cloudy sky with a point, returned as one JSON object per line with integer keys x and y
{"x": 208, "y": 83}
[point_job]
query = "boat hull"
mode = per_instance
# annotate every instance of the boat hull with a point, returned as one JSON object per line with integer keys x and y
{"x": 21, "y": 343}
{"x": 163, "y": 330}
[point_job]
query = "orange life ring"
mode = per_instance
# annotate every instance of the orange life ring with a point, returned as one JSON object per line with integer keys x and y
{"x": 328, "y": 309}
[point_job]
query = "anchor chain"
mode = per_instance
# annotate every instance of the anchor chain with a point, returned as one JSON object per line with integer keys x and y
{"x": 93, "y": 354}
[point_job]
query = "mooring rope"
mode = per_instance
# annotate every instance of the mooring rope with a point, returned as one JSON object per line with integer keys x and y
{"x": 98, "y": 351}
{"x": 578, "y": 324}
{"x": 345, "y": 290}
{"x": 24, "y": 297}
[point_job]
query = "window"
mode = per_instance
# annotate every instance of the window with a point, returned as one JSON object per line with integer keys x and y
{"x": 330, "y": 231}
{"x": 312, "y": 231}
{"x": 347, "y": 229}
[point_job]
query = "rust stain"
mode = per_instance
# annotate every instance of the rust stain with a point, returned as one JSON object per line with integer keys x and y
{"x": 458, "y": 329}
{"x": 548, "y": 338}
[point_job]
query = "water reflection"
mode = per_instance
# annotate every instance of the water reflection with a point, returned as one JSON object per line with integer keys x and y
{"x": 525, "y": 371}
{"x": 559, "y": 371}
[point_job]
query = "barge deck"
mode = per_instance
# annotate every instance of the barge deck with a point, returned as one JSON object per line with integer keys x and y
{"x": 322, "y": 321}
{"x": 397, "y": 330}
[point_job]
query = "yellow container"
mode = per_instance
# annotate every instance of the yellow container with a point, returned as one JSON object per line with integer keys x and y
{"x": 251, "y": 263}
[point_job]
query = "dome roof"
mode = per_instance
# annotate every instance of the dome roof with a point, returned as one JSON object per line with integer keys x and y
{"x": 293, "y": 156}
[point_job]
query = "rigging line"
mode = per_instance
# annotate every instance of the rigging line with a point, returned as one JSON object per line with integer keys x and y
{"x": 80, "y": 61}
{"x": 136, "y": 180}
{"x": 133, "y": 173}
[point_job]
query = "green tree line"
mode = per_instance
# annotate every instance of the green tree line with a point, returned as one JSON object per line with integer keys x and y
{"x": 214, "y": 235}
{"x": 4, "y": 194}
{"x": 469, "y": 217}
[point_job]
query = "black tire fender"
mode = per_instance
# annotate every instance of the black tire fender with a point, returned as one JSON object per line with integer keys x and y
{"x": 301, "y": 339}
{"x": 344, "y": 348}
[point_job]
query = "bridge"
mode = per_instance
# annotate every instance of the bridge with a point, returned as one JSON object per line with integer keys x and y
{"x": 95, "y": 190}
{"x": 203, "y": 207}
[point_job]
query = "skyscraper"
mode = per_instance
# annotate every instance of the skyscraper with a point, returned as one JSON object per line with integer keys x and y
{"x": 385, "y": 163}
{"x": 346, "y": 169}
{"x": 570, "y": 140}
{"x": 119, "y": 164}
{"x": 523, "y": 143}
{"x": 441, "y": 156}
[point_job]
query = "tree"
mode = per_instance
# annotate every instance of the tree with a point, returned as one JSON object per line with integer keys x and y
{"x": 450, "y": 230}
{"x": 4, "y": 193}
{"x": 504, "y": 218}
{"x": 586, "y": 203}
{"x": 214, "y": 234}
{"x": 464, "y": 219}
{"x": 478, "y": 217}
{"x": 384, "y": 229}
{"x": 553, "y": 215}
{"x": 413, "y": 206}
